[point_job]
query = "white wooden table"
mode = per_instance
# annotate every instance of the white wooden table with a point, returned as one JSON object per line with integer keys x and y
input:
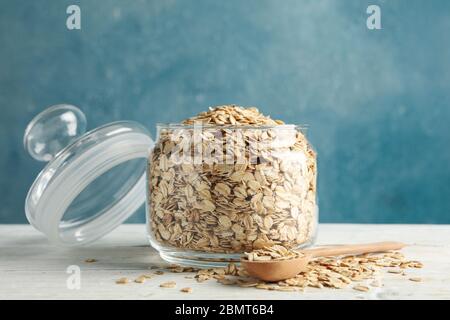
{"x": 30, "y": 268}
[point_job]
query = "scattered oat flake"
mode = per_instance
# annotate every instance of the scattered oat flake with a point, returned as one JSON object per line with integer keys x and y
{"x": 415, "y": 279}
{"x": 140, "y": 279}
{"x": 168, "y": 284}
{"x": 122, "y": 280}
{"x": 187, "y": 290}
{"x": 396, "y": 271}
{"x": 90, "y": 260}
{"x": 361, "y": 288}
{"x": 159, "y": 272}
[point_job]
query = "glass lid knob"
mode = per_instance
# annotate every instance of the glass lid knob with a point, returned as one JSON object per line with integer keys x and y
{"x": 52, "y": 130}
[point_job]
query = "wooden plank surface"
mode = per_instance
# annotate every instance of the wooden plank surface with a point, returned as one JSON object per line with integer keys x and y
{"x": 33, "y": 269}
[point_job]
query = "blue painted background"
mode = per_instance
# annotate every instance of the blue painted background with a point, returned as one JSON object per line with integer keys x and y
{"x": 377, "y": 102}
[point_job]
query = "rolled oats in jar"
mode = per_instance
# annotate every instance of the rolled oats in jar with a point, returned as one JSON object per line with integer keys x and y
{"x": 228, "y": 181}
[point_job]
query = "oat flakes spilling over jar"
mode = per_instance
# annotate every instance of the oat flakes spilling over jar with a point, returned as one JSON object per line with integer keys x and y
{"x": 228, "y": 181}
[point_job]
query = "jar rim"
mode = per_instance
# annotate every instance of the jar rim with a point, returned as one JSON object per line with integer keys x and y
{"x": 302, "y": 127}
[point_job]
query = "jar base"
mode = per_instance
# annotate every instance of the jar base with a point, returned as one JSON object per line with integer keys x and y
{"x": 196, "y": 259}
{"x": 199, "y": 260}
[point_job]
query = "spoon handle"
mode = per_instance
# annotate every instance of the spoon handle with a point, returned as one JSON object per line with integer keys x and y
{"x": 350, "y": 249}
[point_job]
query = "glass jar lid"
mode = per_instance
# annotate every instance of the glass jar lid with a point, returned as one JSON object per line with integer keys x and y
{"x": 93, "y": 181}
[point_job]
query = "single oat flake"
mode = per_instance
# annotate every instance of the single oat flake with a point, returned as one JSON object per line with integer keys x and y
{"x": 140, "y": 279}
{"x": 361, "y": 288}
{"x": 415, "y": 279}
{"x": 122, "y": 280}
{"x": 168, "y": 284}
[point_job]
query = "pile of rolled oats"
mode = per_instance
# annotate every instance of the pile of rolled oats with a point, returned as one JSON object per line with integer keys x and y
{"x": 362, "y": 272}
{"x": 232, "y": 180}
{"x": 275, "y": 252}
{"x": 233, "y": 115}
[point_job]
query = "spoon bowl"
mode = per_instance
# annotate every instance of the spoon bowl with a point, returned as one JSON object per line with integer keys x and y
{"x": 277, "y": 270}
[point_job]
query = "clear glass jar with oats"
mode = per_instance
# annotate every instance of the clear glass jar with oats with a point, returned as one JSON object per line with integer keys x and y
{"x": 228, "y": 181}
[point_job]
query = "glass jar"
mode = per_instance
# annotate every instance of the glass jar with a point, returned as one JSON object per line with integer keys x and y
{"x": 212, "y": 191}
{"x": 216, "y": 191}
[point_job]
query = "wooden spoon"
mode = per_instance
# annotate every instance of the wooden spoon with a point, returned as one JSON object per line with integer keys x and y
{"x": 276, "y": 270}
